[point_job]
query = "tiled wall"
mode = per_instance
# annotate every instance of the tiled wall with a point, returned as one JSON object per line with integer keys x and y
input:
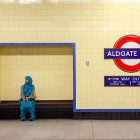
{"x": 50, "y": 68}
{"x": 93, "y": 26}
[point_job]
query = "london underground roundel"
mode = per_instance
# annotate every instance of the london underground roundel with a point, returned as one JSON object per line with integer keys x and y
{"x": 129, "y": 58}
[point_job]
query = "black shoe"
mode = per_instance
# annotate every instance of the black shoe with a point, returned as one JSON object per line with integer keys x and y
{"x": 23, "y": 119}
{"x": 31, "y": 119}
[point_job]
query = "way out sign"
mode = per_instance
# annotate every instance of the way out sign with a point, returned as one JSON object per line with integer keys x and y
{"x": 126, "y": 53}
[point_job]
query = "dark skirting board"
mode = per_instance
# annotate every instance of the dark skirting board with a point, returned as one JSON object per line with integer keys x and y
{"x": 107, "y": 115}
{"x": 61, "y": 109}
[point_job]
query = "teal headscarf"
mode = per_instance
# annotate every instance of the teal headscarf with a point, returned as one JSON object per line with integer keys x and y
{"x": 28, "y": 87}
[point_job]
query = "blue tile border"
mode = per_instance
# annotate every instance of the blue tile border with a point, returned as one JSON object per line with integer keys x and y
{"x": 37, "y": 44}
{"x": 74, "y": 79}
{"x": 107, "y": 110}
{"x": 73, "y": 45}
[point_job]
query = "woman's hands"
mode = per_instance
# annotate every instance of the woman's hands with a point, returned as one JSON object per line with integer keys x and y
{"x": 26, "y": 99}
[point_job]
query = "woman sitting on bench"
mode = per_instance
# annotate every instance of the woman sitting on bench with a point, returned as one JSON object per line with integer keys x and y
{"x": 27, "y": 101}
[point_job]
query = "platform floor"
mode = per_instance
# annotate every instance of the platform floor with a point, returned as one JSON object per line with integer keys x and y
{"x": 67, "y": 129}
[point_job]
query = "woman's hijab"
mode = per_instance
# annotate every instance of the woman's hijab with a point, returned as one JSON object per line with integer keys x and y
{"x": 28, "y": 87}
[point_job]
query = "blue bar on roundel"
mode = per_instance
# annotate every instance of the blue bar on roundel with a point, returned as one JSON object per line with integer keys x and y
{"x": 121, "y": 53}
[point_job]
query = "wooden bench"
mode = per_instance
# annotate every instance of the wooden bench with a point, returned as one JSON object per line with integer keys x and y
{"x": 44, "y": 109}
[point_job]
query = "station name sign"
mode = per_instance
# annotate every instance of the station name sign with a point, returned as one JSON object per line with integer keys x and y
{"x": 125, "y": 53}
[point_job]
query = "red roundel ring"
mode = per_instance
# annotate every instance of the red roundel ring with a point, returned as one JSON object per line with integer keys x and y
{"x": 118, "y": 45}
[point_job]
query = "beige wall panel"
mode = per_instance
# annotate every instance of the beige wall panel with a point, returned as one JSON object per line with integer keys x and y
{"x": 93, "y": 26}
